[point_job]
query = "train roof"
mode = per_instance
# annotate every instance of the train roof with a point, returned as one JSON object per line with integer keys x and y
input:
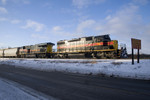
{"x": 40, "y": 44}
{"x": 45, "y": 43}
{"x": 78, "y": 39}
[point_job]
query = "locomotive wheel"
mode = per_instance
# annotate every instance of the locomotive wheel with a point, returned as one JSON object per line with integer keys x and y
{"x": 110, "y": 54}
{"x": 93, "y": 55}
{"x": 65, "y": 55}
{"x": 100, "y": 55}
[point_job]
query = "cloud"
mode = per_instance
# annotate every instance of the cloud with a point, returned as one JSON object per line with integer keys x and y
{"x": 10, "y": 20}
{"x": 85, "y": 24}
{"x": 34, "y": 25}
{"x": 26, "y": 1}
{"x": 15, "y": 21}
{"x": 20, "y": 1}
{"x": 3, "y": 19}
{"x": 124, "y": 21}
{"x": 38, "y": 36}
{"x": 1, "y": 44}
{"x": 3, "y": 10}
{"x": 125, "y": 24}
{"x": 56, "y": 28}
{"x": 85, "y": 3}
{"x": 3, "y": 2}
{"x": 140, "y": 2}
{"x": 59, "y": 32}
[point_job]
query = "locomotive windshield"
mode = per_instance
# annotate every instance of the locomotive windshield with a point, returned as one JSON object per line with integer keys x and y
{"x": 102, "y": 38}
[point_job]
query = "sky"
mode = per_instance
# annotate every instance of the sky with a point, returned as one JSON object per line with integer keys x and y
{"x": 28, "y": 22}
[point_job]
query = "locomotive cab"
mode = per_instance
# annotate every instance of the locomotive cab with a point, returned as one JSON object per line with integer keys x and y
{"x": 103, "y": 38}
{"x": 45, "y": 47}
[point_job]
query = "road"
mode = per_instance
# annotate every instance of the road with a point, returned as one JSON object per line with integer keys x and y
{"x": 67, "y": 86}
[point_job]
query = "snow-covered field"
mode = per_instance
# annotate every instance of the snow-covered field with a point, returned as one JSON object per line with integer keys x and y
{"x": 109, "y": 67}
{"x": 13, "y": 91}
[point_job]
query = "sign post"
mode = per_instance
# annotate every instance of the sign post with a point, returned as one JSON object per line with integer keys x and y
{"x": 136, "y": 44}
{"x": 138, "y": 57}
{"x": 132, "y": 56}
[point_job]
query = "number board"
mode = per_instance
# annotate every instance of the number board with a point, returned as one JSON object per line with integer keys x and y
{"x": 136, "y": 43}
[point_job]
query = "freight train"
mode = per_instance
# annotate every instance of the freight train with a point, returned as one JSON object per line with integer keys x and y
{"x": 90, "y": 47}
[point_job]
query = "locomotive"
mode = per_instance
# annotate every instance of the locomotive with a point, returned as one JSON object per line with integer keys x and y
{"x": 90, "y": 47}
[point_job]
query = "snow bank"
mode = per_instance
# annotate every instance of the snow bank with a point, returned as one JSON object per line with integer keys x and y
{"x": 115, "y": 67}
{"x": 13, "y": 91}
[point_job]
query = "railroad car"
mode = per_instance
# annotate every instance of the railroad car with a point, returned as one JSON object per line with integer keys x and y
{"x": 93, "y": 46}
{"x": 42, "y": 50}
{"x": 10, "y": 52}
{"x": 1, "y": 53}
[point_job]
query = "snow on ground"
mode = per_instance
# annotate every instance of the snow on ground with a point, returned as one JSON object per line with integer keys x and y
{"x": 13, "y": 91}
{"x": 110, "y": 67}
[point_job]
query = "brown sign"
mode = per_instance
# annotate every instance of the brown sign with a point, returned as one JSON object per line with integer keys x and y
{"x": 136, "y": 43}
